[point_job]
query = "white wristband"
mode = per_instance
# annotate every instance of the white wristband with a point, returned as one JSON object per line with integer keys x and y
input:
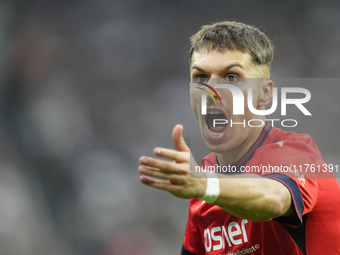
{"x": 213, "y": 188}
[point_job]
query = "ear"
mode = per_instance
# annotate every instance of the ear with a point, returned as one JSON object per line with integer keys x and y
{"x": 266, "y": 93}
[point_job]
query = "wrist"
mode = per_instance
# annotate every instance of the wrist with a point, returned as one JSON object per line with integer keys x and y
{"x": 212, "y": 190}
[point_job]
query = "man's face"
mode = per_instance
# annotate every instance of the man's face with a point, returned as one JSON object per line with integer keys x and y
{"x": 230, "y": 67}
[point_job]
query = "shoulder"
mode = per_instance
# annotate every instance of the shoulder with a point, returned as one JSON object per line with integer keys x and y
{"x": 277, "y": 136}
{"x": 281, "y": 146}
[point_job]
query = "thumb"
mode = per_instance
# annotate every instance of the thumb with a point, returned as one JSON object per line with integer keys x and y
{"x": 178, "y": 139}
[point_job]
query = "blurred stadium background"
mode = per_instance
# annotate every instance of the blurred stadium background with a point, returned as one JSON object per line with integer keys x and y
{"x": 87, "y": 87}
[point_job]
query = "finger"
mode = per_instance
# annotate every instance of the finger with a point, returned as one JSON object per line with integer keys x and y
{"x": 174, "y": 178}
{"x": 164, "y": 165}
{"x": 149, "y": 168}
{"x": 160, "y": 184}
{"x": 178, "y": 156}
{"x": 178, "y": 139}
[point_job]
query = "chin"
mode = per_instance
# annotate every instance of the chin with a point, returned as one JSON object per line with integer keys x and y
{"x": 216, "y": 145}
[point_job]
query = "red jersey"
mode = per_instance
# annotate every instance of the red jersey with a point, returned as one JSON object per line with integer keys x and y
{"x": 315, "y": 227}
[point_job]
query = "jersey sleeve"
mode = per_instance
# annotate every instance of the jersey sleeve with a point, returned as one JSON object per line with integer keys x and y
{"x": 297, "y": 200}
{"x": 282, "y": 163}
{"x": 192, "y": 242}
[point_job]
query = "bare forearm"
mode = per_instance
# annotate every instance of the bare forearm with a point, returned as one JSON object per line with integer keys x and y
{"x": 254, "y": 198}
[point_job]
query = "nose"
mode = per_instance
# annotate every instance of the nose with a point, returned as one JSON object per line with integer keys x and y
{"x": 212, "y": 83}
{"x": 215, "y": 95}
{"x": 211, "y": 101}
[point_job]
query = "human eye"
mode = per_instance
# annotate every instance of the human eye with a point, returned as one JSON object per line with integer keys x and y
{"x": 230, "y": 78}
{"x": 202, "y": 78}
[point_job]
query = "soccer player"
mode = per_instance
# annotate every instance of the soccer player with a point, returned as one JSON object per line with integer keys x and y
{"x": 277, "y": 210}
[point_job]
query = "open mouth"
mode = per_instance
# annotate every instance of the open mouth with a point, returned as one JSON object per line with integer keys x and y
{"x": 216, "y": 122}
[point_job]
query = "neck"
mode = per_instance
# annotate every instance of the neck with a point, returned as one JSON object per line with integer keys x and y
{"x": 232, "y": 156}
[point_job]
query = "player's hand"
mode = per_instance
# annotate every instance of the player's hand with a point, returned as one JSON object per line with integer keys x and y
{"x": 175, "y": 174}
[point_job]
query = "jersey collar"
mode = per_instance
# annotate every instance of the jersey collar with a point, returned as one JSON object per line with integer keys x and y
{"x": 258, "y": 143}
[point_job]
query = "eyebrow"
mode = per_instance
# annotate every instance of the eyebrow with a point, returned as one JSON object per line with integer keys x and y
{"x": 222, "y": 70}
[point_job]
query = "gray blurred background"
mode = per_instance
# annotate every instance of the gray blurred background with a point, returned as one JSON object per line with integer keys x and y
{"x": 87, "y": 87}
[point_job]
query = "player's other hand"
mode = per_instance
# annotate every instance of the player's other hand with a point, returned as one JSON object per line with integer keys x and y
{"x": 174, "y": 175}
